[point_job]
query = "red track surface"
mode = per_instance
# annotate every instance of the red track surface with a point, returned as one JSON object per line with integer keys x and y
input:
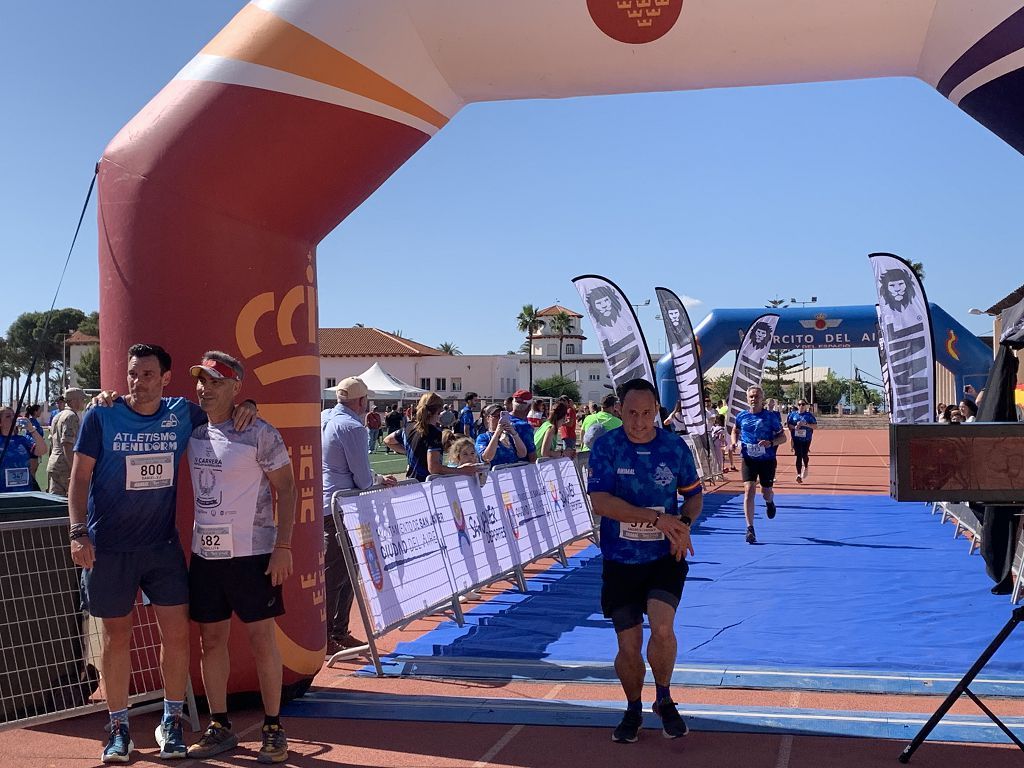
{"x": 843, "y": 462}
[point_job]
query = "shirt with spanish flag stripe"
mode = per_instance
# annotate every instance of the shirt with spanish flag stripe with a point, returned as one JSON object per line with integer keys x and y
{"x": 650, "y": 474}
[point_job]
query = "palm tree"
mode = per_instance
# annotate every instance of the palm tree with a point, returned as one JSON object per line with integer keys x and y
{"x": 918, "y": 268}
{"x": 529, "y": 322}
{"x": 448, "y": 348}
{"x": 561, "y": 324}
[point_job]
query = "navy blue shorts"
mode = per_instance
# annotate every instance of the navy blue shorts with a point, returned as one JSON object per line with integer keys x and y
{"x": 109, "y": 588}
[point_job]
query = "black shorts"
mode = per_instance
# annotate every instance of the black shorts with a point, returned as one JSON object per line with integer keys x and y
{"x": 110, "y": 587}
{"x": 761, "y": 470}
{"x": 626, "y": 588}
{"x": 238, "y": 584}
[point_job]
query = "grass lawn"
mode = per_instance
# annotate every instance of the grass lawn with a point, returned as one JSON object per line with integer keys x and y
{"x": 388, "y": 463}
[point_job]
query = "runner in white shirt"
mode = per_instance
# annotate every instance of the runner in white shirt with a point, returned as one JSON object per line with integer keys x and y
{"x": 240, "y": 558}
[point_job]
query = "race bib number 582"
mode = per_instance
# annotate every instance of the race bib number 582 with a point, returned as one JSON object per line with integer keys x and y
{"x": 149, "y": 471}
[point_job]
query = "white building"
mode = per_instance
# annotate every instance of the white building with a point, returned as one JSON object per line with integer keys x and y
{"x": 350, "y": 351}
{"x": 76, "y": 345}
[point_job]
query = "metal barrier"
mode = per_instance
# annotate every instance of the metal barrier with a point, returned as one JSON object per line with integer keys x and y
{"x": 51, "y": 649}
{"x": 416, "y": 552}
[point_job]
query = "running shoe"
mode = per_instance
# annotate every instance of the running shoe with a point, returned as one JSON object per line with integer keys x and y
{"x": 751, "y": 538}
{"x": 215, "y": 739}
{"x": 628, "y": 729}
{"x": 170, "y": 739}
{"x": 275, "y": 745}
{"x": 799, "y": 477}
{"x": 672, "y": 724}
{"x": 119, "y": 745}
{"x": 770, "y": 509}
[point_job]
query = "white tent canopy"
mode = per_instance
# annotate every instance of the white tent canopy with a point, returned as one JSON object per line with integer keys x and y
{"x": 383, "y": 385}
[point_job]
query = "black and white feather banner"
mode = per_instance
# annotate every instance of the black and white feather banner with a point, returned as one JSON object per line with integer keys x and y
{"x": 906, "y": 327}
{"x": 685, "y": 360}
{"x": 749, "y": 368}
{"x": 622, "y": 341}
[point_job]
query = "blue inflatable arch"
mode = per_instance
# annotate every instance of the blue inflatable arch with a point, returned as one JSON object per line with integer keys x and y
{"x": 966, "y": 358}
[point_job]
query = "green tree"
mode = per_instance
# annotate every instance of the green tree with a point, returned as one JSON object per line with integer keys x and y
{"x": 91, "y": 325}
{"x": 40, "y": 336}
{"x": 556, "y": 386}
{"x": 529, "y": 322}
{"x": 560, "y": 324}
{"x": 87, "y": 370}
{"x": 718, "y": 388}
{"x": 918, "y": 268}
{"x": 828, "y": 391}
{"x": 448, "y": 348}
{"x": 778, "y": 366}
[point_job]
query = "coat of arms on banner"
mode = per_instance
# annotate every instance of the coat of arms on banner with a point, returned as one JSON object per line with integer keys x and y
{"x": 371, "y": 556}
{"x": 459, "y": 518}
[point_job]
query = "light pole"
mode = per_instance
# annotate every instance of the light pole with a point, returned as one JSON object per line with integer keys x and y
{"x": 804, "y": 303}
{"x": 636, "y": 307}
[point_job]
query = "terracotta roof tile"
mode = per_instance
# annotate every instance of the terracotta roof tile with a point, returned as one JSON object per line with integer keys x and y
{"x": 82, "y": 338}
{"x": 554, "y": 309}
{"x": 369, "y": 342}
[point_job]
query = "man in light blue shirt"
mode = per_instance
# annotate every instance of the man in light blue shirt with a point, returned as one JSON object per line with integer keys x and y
{"x": 346, "y": 466}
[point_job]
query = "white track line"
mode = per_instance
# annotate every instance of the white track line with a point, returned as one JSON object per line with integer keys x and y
{"x": 511, "y": 733}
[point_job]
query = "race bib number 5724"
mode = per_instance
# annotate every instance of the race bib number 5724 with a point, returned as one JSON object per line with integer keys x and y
{"x": 149, "y": 471}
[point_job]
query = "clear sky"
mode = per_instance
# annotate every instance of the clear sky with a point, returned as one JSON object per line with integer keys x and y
{"x": 730, "y": 196}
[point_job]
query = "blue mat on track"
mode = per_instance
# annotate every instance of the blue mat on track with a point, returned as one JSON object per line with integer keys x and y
{"x": 852, "y": 592}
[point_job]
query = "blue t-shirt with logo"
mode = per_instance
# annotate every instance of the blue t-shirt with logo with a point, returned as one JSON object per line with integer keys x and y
{"x": 522, "y": 426}
{"x": 467, "y": 421}
{"x": 650, "y": 474}
{"x": 794, "y": 422}
{"x": 14, "y": 474}
{"x": 133, "y": 491}
{"x": 763, "y": 425}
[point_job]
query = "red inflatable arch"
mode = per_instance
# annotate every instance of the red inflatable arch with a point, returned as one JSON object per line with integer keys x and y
{"x": 214, "y": 197}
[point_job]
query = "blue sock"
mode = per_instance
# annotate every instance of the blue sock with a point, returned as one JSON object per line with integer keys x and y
{"x": 172, "y": 709}
{"x": 116, "y": 718}
{"x": 661, "y": 692}
{"x": 634, "y": 706}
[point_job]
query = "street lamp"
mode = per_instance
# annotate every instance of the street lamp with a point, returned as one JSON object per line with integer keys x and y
{"x": 645, "y": 303}
{"x": 803, "y": 385}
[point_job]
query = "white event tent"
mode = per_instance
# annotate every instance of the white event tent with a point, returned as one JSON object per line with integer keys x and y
{"x": 383, "y": 386}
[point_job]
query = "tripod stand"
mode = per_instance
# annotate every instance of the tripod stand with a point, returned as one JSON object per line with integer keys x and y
{"x": 962, "y": 688}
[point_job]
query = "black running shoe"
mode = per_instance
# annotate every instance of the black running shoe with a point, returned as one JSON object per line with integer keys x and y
{"x": 626, "y": 732}
{"x": 672, "y": 724}
{"x": 770, "y": 507}
{"x": 751, "y": 538}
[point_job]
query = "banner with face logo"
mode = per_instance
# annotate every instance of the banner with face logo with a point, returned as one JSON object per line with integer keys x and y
{"x": 685, "y": 360}
{"x": 757, "y": 343}
{"x": 881, "y": 360}
{"x": 906, "y": 329}
{"x": 622, "y": 342}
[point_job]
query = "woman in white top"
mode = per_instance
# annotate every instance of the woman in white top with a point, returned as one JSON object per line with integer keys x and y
{"x": 968, "y": 410}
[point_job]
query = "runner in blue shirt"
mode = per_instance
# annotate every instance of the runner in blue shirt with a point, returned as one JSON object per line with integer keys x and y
{"x": 760, "y": 432}
{"x": 636, "y": 475}
{"x": 122, "y": 507}
{"x": 801, "y": 426}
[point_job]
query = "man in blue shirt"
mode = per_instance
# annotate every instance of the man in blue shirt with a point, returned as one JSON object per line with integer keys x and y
{"x": 121, "y": 502}
{"x": 801, "y": 425}
{"x": 467, "y": 422}
{"x": 517, "y": 415}
{"x": 346, "y": 465}
{"x": 636, "y": 475}
{"x": 760, "y": 432}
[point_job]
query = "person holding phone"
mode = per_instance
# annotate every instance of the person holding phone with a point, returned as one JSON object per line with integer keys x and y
{"x": 500, "y": 443}
{"x": 20, "y": 442}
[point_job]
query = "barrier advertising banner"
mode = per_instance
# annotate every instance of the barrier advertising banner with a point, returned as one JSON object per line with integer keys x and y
{"x": 417, "y": 545}
{"x": 905, "y": 325}
{"x": 528, "y": 518}
{"x": 622, "y": 341}
{"x": 685, "y": 360}
{"x": 474, "y": 534}
{"x": 757, "y": 343}
{"x": 565, "y": 495}
{"x": 398, "y": 548}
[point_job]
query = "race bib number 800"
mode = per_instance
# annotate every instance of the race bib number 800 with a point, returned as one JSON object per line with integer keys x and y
{"x": 149, "y": 471}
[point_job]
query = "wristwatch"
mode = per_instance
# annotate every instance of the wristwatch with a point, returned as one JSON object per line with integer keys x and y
{"x": 686, "y": 520}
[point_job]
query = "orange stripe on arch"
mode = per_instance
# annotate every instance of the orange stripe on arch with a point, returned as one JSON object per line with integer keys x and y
{"x": 259, "y": 37}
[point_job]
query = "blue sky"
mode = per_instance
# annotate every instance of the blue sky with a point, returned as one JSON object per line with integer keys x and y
{"x": 730, "y": 196}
